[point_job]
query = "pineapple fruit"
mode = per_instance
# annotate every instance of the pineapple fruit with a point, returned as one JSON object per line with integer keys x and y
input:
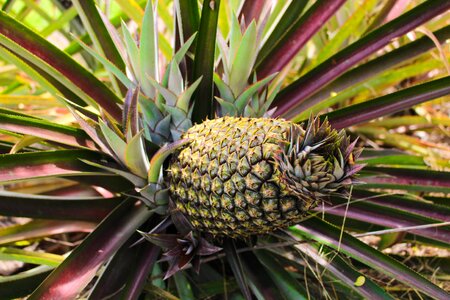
{"x": 242, "y": 176}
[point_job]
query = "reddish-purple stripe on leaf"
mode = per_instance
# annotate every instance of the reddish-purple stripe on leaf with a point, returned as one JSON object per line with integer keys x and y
{"x": 319, "y": 77}
{"x": 312, "y": 21}
{"x": 62, "y": 62}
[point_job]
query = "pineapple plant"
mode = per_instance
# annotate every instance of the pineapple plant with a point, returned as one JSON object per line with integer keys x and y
{"x": 209, "y": 148}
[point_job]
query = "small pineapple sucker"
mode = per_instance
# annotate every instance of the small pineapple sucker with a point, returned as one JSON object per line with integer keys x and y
{"x": 243, "y": 176}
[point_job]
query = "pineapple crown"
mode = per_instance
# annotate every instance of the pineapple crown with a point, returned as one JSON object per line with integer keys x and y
{"x": 318, "y": 161}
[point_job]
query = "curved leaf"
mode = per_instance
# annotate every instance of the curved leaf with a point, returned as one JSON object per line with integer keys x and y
{"x": 313, "y": 19}
{"x": 41, "y": 228}
{"x": 373, "y": 67}
{"x": 23, "y": 41}
{"x": 389, "y": 104}
{"x": 126, "y": 272}
{"x": 46, "y": 130}
{"x": 329, "y": 235}
{"x": 390, "y": 217}
{"x": 21, "y": 166}
{"x": 77, "y": 270}
{"x": 343, "y": 271}
{"x": 331, "y": 68}
{"x": 31, "y": 257}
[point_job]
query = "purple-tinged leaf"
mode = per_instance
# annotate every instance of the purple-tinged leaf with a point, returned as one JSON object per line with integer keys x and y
{"x": 173, "y": 267}
{"x": 37, "y": 46}
{"x": 46, "y": 130}
{"x": 384, "y": 184}
{"x": 126, "y": 271}
{"x": 145, "y": 262}
{"x": 42, "y": 228}
{"x": 285, "y": 26}
{"x": 92, "y": 132}
{"x": 423, "y": 208}
{"x": 52, "y": 207}
{"x": 112, "y": 183}
{"x": 21, "y": 166}
{"x": 389, "y": 104}
{"x": 205, "y": 248}
{"x": 409, "y": 176}
{"x": 39, "y": 75}
{"x": 165, "y": 241}
{"x": 130, "y": 122}
{"x": 331, "y": 236}
{"x": 389, "y": 217}
{"x": 307, "y": 26}
{"x": 251, "y": 10}
{"x": 72, "y": 276}
{"x": 180, "y": 221}
{"x": 375, "y": 66}
{"x": 331, "y": 68}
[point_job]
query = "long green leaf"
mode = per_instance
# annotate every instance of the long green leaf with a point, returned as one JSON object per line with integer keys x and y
{"x": 41, "y": 228}
{"x": 329, "y": 235}
{"x": 148, "y": 52}
{"x": 346, "y": 30}
{"x": 320, "y": 76}
{"x": 183, "y": 287}
{"x": 204, "y": 61}
{"x": 390, "y": 103}
{"x": 98, "y": 32}
{"x": 31, "y": 257}
{"x": 46, "y": 130}
{"x": 23, "y": 41}
{"x": 285, "y": 282}
{"x": 374, "y": 67}
{"x": 23, "y": 166}
{"x": 50, "y": 84}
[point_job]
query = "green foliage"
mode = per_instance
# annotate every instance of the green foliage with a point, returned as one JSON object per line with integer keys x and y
{"x": 86, "y": 132}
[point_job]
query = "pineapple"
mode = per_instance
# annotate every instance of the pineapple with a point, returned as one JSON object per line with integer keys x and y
{"x": 244, "y": 176}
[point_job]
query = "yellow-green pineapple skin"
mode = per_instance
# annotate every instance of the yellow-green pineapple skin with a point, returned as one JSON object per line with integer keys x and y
{"x": 227, "y": 181}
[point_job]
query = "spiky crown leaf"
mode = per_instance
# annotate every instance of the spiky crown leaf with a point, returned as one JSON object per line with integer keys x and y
{"x": 319, "y": 161}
